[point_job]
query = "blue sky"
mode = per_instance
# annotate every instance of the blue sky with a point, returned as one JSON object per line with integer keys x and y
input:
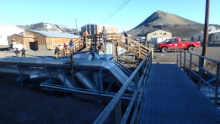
{"x": 64, "y": 12}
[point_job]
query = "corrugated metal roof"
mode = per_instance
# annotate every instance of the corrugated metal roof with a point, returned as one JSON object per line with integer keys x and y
{"x": 53, "y": 34}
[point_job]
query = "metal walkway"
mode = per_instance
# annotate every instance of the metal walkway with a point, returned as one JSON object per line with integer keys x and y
{"x": 170, "y": 97}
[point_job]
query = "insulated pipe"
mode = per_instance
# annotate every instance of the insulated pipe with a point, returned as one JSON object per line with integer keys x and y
{"x": 82, "y": 76}
{"x": 96, "y": 79}
{"x": 36, "y": 73}
{"x": 66, "y": 81}
{"x": 96, "y": 64}
{"x": 35, "y": 62}
{"x": 15, "y": 70}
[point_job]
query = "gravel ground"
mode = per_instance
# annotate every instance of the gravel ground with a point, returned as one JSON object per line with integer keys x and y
{"x": 29, "y": 104}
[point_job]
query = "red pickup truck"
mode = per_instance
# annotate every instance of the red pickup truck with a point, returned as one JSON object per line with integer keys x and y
{"x": 175, "y": 43}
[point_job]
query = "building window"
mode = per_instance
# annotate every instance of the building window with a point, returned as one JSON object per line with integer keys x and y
{"x": 0, "y": 36}
{"x": 216, "y": 37}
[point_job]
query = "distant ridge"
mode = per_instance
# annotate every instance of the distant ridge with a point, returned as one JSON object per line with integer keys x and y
{"x": 178, "y": 26}
{"x": 49, "y": 28}
{"x": 164, "y": 18}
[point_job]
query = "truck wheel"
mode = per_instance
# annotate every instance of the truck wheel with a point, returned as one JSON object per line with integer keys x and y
{"x": 190, "y": 48}
{"x": 164, "y": 49}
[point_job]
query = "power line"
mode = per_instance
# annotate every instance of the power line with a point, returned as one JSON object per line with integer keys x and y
{"x": 120, "y": 7}
{"x": 115, "y": 10}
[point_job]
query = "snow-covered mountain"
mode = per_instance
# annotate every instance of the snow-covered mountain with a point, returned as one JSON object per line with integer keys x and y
{"x": 49, "y": 28}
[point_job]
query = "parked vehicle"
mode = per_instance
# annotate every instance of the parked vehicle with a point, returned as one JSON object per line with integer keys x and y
{"x": 175, "y": 43}
{"x": 156, "y": 40}
{"x": 15, "y": 46}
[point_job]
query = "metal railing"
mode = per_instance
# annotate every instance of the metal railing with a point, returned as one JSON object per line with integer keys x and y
{"x": 190, "y": 61}
{"x": 136, "y": 99}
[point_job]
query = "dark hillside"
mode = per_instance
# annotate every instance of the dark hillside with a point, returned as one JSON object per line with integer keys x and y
{"x": 178, "y": 26}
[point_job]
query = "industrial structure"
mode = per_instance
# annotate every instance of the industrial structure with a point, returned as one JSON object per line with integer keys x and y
{"x": 97, "y": 28}
{"x": 152, "y": 93}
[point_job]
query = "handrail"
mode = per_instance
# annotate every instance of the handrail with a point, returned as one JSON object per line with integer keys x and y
{"x": 116, "y": 101}
{"x": 202, "y": 70}
{"x": 134, "y": 47}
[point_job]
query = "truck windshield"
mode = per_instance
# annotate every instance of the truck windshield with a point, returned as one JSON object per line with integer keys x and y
{"x": 167, "y": 40}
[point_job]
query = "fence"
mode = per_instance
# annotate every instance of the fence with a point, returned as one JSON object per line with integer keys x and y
{"x": 194, "y": 63}
{"x": 136, "y": 99}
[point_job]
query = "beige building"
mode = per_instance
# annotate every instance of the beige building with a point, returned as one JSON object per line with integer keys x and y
{"x": 214, "y": 36}
{"x": 158, "y": 34}
{"x": 97, "y": 28}
{"x": 41, "y": 40}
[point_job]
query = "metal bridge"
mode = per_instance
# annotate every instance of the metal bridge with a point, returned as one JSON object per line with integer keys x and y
{"x": 165, "y": 94}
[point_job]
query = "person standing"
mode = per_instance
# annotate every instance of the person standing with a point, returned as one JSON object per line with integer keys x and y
{"x": 64, "y": 46}
{"x": 23, "y": 52}
{"x": 84, "y": 33}
{"x": 125, "y": 34}
{"x": 17, "y": 52}
{"x": 56, "y": 50}
{"x": 104, "y": 33}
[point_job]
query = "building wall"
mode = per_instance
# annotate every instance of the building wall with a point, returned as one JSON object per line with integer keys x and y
{"x": 198, "y": 37}
{"x": 15, "y": 38}
{"x": 109, "y": 29}
{"x": 36, "y": 41}
{"x": 158, "y": 33}
{"x": 30, "y": 33}
{"x": 216, "y": 37}
{"x": 52, "y": 42}
{"x": 27, "y": 41}
{"x": 97, "y": 28}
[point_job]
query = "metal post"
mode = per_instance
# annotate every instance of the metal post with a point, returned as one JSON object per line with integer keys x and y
{"x": 177, "y": 62}
{"x": 136, "y": 99}
{"x": 190, "y": 66}
{"x": 175, "y": 56}
{"x": 45, "y": 69}
{"x": 184, "y": 62}
{"x": 118, "y": 112}
{"x": 217, "y": 84}
{"x": 100, "y": 75}
{"x": 180, "y": 58}
{"x": 21, "y": 76}
{"x": 200, "y": 70}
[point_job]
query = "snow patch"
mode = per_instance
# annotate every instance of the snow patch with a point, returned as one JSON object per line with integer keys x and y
{"x": 48, "y": 26}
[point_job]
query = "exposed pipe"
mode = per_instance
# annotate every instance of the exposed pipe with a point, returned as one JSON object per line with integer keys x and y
{"x": 81, "y": 62}
{"x": 35, "y": 62}
{"x": 82, "y": 76}
{"x": 96, "y": 79}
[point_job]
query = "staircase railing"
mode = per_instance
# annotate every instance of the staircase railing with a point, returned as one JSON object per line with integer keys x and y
{"x": 132, "y": 46}
{"x": 78, "y": 44}
{"x": 90, "y": 41}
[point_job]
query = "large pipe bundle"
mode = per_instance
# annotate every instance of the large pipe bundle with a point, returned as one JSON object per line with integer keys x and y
{"x": 81, "y": 62}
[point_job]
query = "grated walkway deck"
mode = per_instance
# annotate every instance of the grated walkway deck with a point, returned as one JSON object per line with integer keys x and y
{"x": 171, "y": 97}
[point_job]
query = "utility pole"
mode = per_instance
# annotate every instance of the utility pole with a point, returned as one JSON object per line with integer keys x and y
{"x": 76, "y": 27}
{"x": 205, "y": 38}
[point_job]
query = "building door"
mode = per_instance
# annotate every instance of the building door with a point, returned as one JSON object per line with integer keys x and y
{"x": 33, "y": 45}
{"x": 199, "y": 38}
